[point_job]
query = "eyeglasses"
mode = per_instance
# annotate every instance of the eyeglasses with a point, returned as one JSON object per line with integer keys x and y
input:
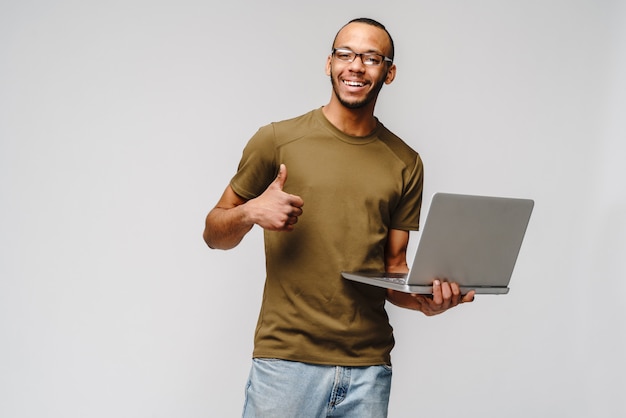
{"x": 367, "y": 58}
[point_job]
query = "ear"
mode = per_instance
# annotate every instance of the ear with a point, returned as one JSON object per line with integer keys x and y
{"x": 328, "y": 61}
{"x": 391, "y": 74}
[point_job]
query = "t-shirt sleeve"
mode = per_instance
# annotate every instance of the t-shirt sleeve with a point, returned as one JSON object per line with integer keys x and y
{"x": 406, "y": 216}
{"x": 257, "y": 167}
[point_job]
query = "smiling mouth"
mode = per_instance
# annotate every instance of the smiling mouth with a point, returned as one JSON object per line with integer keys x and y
{"x": 353, "y": 83}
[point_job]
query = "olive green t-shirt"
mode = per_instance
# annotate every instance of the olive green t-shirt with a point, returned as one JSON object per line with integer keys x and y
{"x": 354, "y": 189}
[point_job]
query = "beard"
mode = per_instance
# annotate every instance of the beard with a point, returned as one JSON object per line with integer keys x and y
{"x": 357, "y": 104}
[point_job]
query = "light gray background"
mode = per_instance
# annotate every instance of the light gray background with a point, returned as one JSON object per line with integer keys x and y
{"x": 122, "y": 121}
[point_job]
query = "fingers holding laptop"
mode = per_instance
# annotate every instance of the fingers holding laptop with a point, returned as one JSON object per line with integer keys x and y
{"x": 445, "y": 295}
{"x": 449, "y": 292}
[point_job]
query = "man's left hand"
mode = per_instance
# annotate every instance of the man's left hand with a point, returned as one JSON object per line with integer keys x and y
{"x": 445, "y": 295}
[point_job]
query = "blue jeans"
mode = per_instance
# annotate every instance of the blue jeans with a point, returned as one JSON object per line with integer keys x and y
{"x": 288, "y": 389}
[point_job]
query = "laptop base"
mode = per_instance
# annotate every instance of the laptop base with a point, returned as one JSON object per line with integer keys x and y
{"x": 424, "y": 290}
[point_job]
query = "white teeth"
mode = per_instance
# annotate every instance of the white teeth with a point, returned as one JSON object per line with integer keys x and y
{"x": 353, "y": 83}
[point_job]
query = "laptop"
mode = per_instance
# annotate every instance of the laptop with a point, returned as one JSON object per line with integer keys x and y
{"x": 471, "y": 240}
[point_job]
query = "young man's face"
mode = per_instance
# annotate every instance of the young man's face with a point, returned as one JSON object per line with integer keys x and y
{"x": 355, "y": 84}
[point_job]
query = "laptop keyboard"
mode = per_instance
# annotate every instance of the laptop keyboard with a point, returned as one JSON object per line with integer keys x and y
{"x": 396, "y": 280}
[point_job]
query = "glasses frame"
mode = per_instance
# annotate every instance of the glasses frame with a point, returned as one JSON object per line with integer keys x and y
{"x": 361, "y": 55}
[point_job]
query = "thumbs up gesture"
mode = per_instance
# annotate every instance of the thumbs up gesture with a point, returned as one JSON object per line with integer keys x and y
{"x": 274, "y": 209}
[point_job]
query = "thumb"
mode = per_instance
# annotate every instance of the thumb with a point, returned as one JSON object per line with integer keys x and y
{"x": 282, "y": 176}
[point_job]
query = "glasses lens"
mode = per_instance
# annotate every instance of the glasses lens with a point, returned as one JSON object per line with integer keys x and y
{"x": 344, "y": 55}
{"x": 372, "y": 59}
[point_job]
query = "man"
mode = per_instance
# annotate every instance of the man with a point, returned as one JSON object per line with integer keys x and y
{"x": 322, "y": 344}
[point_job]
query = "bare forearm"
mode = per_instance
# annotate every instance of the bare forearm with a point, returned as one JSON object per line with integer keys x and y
{"x": 400, "y": 266}
{"x": 401, "y": 299}
{"x": 225, "y": 228}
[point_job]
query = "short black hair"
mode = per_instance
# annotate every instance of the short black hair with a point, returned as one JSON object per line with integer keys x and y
{"x": 370, "y": 22}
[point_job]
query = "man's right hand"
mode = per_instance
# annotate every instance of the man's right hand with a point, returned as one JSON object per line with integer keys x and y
{"x": 231, "y": 219}
{"x": 274, "y": 209}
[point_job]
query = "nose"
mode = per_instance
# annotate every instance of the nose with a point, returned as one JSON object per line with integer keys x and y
{"x": 357, "y": 63}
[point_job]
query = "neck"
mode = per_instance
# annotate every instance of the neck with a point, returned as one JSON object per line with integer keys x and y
{"x": 355, "y": 122}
